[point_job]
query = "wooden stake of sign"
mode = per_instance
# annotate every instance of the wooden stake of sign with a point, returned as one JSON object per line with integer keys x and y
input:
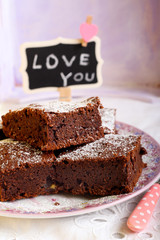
{"x": 64, "y": 94}
{"x": 89, "y": 21}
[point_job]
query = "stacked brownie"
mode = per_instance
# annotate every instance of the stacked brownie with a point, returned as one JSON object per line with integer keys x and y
{"x": 66, "y": 147}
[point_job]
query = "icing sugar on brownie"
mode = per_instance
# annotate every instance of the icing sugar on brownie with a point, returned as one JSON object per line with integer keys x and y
{"x": 108, "y": 116}
{"x": 61, "y": 107}
{"x": 107, "y": 147}
{"x": 15, "y": 154}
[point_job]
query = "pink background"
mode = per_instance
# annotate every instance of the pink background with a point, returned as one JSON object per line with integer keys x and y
{"x": 129, "y": 31}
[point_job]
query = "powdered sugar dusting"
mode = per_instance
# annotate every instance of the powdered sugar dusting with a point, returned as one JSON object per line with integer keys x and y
{"x": 60, "y": 107}
{"x": 14, "y": 154}
{"x": 108, "y": 117}
{"x": 107, "y": 147}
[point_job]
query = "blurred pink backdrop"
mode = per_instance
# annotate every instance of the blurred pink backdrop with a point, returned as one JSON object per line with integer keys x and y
{"x": 129, "y": 32}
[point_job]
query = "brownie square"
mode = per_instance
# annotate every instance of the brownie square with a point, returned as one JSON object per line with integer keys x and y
{"x": 25, "y": 171}
{"x": 55, "y": 125}
{"x": 109, "y": 166}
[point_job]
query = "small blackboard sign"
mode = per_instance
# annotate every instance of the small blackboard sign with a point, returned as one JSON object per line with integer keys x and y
{"x": 61, "y": 63}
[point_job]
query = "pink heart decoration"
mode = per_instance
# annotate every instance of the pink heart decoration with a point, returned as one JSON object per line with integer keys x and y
{"x": 88, "y": 31}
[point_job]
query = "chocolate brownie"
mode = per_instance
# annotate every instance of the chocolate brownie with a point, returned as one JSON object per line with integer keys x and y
{"x": 111, "y": 165}
{"x": 55, "y": 125}
{"x": 24, "y": 171}
{"x": 2, "y": 136}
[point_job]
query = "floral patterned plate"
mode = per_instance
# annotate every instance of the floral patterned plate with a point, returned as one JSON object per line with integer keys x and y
{"x": 61, "y": 205}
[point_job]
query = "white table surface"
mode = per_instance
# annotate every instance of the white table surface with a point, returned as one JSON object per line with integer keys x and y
{"x": 138, "y": 109}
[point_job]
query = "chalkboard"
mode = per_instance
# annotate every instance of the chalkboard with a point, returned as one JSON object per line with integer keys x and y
{"x": 61, "y": 63}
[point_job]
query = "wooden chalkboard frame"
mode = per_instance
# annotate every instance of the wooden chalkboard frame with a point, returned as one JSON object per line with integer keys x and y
{"x": 24, "y": 63}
